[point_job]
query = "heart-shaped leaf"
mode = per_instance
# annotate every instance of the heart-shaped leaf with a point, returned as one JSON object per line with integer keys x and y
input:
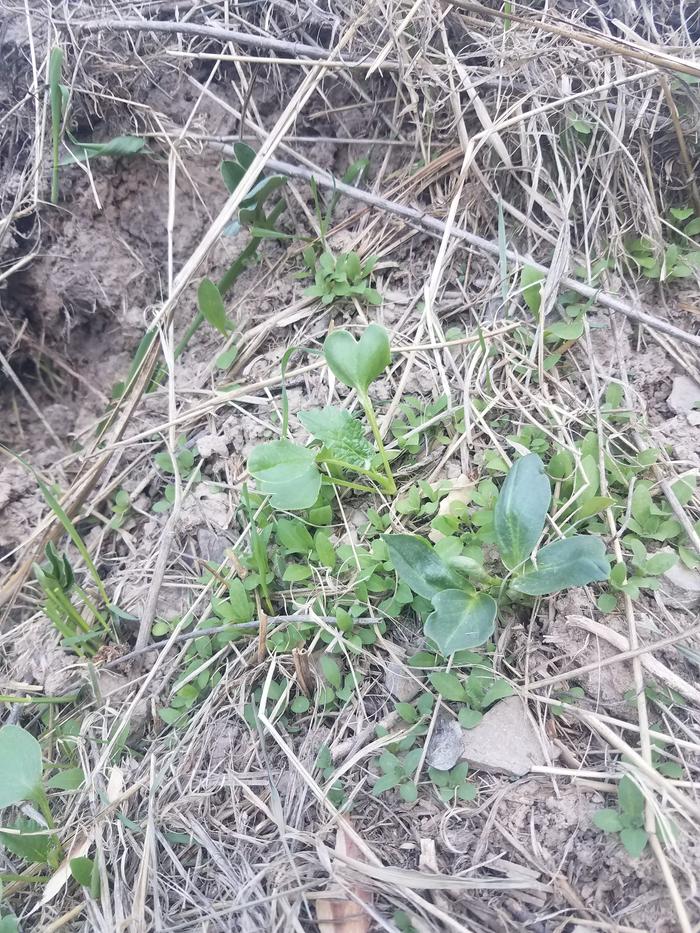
{"x": 461, "y": 620}
{"x": 20, "y": 766}
{"x": 521, "y": 509}
{"x": 211, "y": 306}
{"x": 417, "y": 564}
{"x": 341, "y": 434}
{"x": 574, "y": 561}
{"x": 287, "y": 473}
{"x": 357, "y": 363}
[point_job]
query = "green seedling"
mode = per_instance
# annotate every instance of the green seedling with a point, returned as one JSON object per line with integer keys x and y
{"x": 86, "y": 872}
{"x": 398, "y": 773}
{"x": 324, "y": 764}
{"x": 338, "y": 277}
{"x": 402, "y": 921}
{"x": 463, "y": 616}
{"x": 57, "y": 580}
{"x": 646, "y": 571}
{"x": 21, "y": 780}
{"x": 120, "y": 508}
{"x": 453, "y": 785}
{"x": 290, "y": 473}
{"x": 185, "y": 465}
{"x": 628, "y": 819}
{"x": 473, "y": 694}
{"x": 679, "y": 258}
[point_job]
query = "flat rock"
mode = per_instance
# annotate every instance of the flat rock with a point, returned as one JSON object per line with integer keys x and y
{"x": 680, "y": 586}
{"x": 446, "y": 744}
{"x": 505, "y": 740}
{"x": 684, "y": 396}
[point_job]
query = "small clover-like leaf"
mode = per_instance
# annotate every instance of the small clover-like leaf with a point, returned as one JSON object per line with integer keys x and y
{"x": 357, "y": 363}
{"x": 460, "y": 620}
{"x": 20, "y": 766}
{"x": 340, "y": 433}
{"x": 418, "y": 565}
{"x": 287, "y": 473}
{"x": 521, "y": 509}
{"x": 562, "y": 564}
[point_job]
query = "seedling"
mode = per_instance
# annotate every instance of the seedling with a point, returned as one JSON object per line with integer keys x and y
{"x": 462, "y": 616}
{"x": 120, "y": 508}
{"x": 57, "y": 580}
{"x": 453, "y": 785}
{"x": 344, "y": 276}
{"x": 398, "y": 773}
{"x": 474, "y": 694}
{"x": 290, "y": 473}
{"x": 627, "y": 819}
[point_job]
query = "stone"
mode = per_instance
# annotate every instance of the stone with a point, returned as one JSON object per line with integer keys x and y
{"x": 210, "y": 445}
{"x": 684, "y": 396}
{"x": 681, "y": 587}
{"x": 399, "y": 684}
{"x": 505, "y": 740}
{"x": 446, "y": 743}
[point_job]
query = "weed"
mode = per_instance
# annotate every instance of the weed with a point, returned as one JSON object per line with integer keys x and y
{"x": 290, "y": 473}
{"x": 397, "y": 773}
{"x": 453, "y": 785}
{"x": 628, "y": 819}
{"x": 464, "y": 617}
{"x": 338, "y": 277}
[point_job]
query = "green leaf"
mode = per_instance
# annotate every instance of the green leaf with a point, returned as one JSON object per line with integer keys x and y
{"x": 300, "y": 704}
{"x": 693, "y": 228}
{"x": 562, "y": 564}
{"x": 660, "y": 562}
{"x": 499, "y": 690}
{"x": 417, "y": 565}
{"x": 407, "y": 712}
{"x": 630, "y": 799}
{"x": 71, "y": 779}
{"x": 607, "y": 603}
{"x": 521, "y": 509}
{"x": 287, "y": 473}
{"x": 409, "y": 792}
{"x": 608, "y": 820}
{"x": 531, "y": 284}
{"x": 331, "y": 671}
{"x": 117, "y": 148}
{"x": 340, "y": 433}
{"x": 86, "y": 873}
{"x": 324, "y": 549}
{"x": 469, "y": 718}
{"x": 634, "y": 841}
{"x": 460, "y": 620}
{"x": 449, "y": 686}
{"x": 294, "y": 535}
{"x": 20, "y": 766}
{"x": 226, "y": 359}
{"x": 467, "y": 792}
{"x": 386, "y": 782}
{"x": 296, "y": 573}
{"x": 28, "y": 847}
{"x": 211, "y": 306}
{"x": 357, "y": 363}
{"x": 681, "y": 213}
{"x": 8, "y": 924}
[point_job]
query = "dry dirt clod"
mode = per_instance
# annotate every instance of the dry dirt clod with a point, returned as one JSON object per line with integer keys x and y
{"x": 505, "y": 740}
{"x": 684, "y": 396}
{"x": 680, "y": 586}
{"x": 402, "y": 687}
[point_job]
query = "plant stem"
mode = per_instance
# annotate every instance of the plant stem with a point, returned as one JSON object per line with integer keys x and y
{"x": 372, "y": 418}
{"x": 378, "y": 478}
{"x": 229, "y": 278}
{"x": 346, "y": 482}
{"x": 55, "y": 100}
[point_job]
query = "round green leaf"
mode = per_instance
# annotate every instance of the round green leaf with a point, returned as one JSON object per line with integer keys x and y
{"x": 608, "y": 820}
{"x": 634, "y": 841}
{"x": 287, "y": 473}
{"x": 521, "y": 509}
{"x": 357, "y": 363}
{"x": 460, "y": 620}
{"x": 20, "y": 766}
